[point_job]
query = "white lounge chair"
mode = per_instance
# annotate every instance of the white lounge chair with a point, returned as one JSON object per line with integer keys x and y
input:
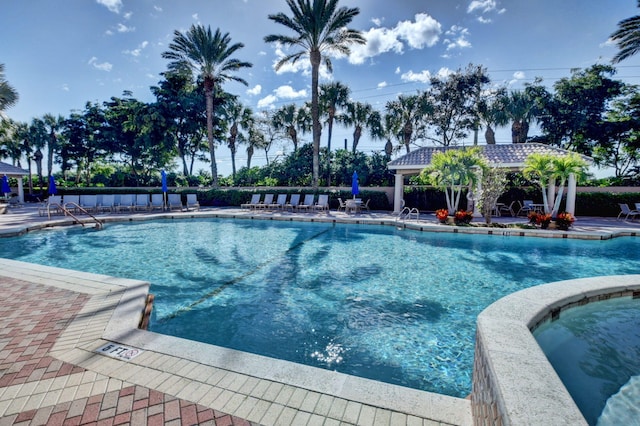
{"x": 53, "y": 205}
{"x": 308, "y": 202}
{"x": 157, "y": 202}
{"x": 174, "y": 202}
{"x": 625, "y": 210}
{"x": 293, "y": 203}
{"x": 192, "y": 201}
{"x": 142, "y": 202}
{"x": 280, "y": 202}
{"x": 71, "y": 202}
{"x": 89, "y": 202}
{"x": 107, "y": 203}
{"x": 126, "y": 203}
{"x": 323, "y": 202}
{"x": 255, "y": 200}
{"x": 268, "y": 200}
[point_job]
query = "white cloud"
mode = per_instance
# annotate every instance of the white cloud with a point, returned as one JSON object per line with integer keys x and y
{"x": 397, "y": 71}
{"x": 65, "y": 87}
{"x": 444, "y": 72}
{"x": 267, "y": 101}
{"x": 377, "y": 21}
{"x": 136, "y": 52}
{"x": 195, "y": 17}
{"x": 483, "y": 6}
{"x": 287, "y": 92}
{"x": 113, "y": 5}
{"x": 424, "y": 31}
{"x": 127, "y": 15}
{"x": 484, "y": 20}
{"x": 256, "y": 90}
{"x": 422, "y": 77}
{"x": 519, "y": 75}
{"x": 105, "y": 66}
{"x": 457, "y": 38}
{"x": 157, "y": 8}
{"x": 124, "y": 29}
{"x": 382, "y": 84}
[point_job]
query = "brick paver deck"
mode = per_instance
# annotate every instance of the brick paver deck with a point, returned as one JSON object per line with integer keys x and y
{"x": 32, "y": 316}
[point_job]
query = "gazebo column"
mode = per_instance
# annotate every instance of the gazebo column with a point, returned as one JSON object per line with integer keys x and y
{"x": 551, "y": 194}
{"x": 571, "y": 194}
{"x": 20, "y": 190}
{"x": 397, "y": 193}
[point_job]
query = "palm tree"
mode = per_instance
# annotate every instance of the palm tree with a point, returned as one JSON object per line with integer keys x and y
{"x": 54, "y": 125}
{"x": 320, "y": 28}
{"x": 289, "y": 119}
{"x": 539, "y": 168}
{"x": 241, "y": 117}
{"x": 332, "y": 97}
{"x": 209, "y": 55}
{"x": 563, "y": 167}
{"x": 358, "y": 115}
{"x": 521, "y": 109}
{"x": 405, "y": 115}
{"x": 8, "y": 95}
{"x": 627, "y": 37}
{"x": 492, "y": 113}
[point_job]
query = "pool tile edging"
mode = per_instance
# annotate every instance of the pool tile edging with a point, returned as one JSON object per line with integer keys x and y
{"x": 513, "y": 381}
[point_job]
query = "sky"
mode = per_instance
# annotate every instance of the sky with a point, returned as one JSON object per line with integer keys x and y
{"x": 60, "y": 54}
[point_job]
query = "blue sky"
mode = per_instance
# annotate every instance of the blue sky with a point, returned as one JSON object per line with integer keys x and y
{"x": 61, "y": 54}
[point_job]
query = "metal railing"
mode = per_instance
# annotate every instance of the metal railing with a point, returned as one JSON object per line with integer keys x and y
{"x": 67, "y": 212}
{"x": 408, "y": 213}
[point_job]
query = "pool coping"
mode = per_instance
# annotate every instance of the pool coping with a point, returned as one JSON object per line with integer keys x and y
{"x": 513, "y": 381}
{"x": 237, "y": 383}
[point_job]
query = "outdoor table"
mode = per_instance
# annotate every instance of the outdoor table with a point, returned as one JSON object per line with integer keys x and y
{"x": 353, "y": 206}
{"x": 537, "y": 207}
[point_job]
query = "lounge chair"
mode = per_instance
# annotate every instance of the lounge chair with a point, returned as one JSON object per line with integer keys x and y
{"x": 174, "y": 202}
{"x": 280, "y": 202}
{"x": 365, "y": 205}
{"x": 89, "y": 202}
{"x": 142, "y": 202}
{"x": 192, "y": 202}
{"x": 525, "y": 207}
{"x": 268, "y": 200}
{"x": 255, "y": 200}
{"x": 293, "y": 203}
{"x": 157, "y": 202}
{"x": 53, "y": 205}
{"x": 106, "y": 204}
{"x": 323, "y": 202}
{"x": 625, "y": 210}
{"x": 126, "y": 203}
{"x": 308, "y": 202}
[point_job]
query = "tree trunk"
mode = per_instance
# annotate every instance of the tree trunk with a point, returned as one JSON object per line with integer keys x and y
{"x": 490, "y": 136}
{"x": 357, "y": 133}
{"x": 249, "y": 155}
{"x": 208, "y": 91}
{"x": 330, "y": 130}
{"x": 407, "y": 131}
{"x": 315, "y": 57}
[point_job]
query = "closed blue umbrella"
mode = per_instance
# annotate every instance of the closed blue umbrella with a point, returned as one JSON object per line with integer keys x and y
{"x": 5, "y": 185}
{"x": 164, "y": 187}
{"x": 52, "y": 186}
{"x": 354, "y": 184}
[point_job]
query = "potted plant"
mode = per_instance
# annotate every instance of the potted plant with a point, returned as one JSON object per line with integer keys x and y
{"x": 533, "y": 217}
{"x": 463, "y": 217}
{"x": 543, "y": 220}
{"x": 442, "y": 214}
{"x": 564, "y": 220}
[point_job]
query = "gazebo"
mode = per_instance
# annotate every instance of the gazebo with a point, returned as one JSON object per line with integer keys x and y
{"x": 506, "y": 156}
{"x": 14, "y": 172}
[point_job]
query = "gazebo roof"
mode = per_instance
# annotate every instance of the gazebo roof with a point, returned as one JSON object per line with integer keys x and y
{"x": 9, "y": 170}
{"x": 511, "y": 156}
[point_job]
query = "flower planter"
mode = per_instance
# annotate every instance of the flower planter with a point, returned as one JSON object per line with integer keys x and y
{"x": 450, "y": 220}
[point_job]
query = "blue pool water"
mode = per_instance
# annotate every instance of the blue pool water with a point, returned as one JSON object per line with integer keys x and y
{"x": 595, "y": 349}
{"x": 393, "y": 305}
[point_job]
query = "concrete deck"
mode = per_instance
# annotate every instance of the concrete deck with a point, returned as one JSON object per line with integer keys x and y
{"x": 55, "y": 324}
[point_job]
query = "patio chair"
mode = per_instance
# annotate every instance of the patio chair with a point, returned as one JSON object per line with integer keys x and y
{"x": 255, "y": 200}
{"x": 126, "y": 203}
{"x": 192, "y": 201}
{"x": 341, "y": 205}
{"x": 323, "y": 202}
{"x": 71, "y": 203}
{"x": 174, "y": 202}
{"x": 625, "y": 210}
{"x": 293, "y": 203}
{"x": 525, "y": 207}
{"x": 308, "y": 202}
{"x": 365, "y": 205}
{"x": 53, "y": 205}
{"x": 280, "y": 202}
{"x": 157, "y": 202}
{"x": 507, "y": 208}
{"x": 89, "y": 202}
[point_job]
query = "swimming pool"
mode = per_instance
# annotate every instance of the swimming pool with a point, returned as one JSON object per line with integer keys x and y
{"x": 392, "y": 305}
{"x": 595, "y": 349}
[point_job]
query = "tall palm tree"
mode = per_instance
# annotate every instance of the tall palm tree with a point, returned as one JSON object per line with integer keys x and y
{"x": 563, "y": 167}
{"x": 491, "y": 112}
{"x": 289, "y": 119}
{"x": 239, "y": 118}
{"x": 358, "y": 115}
{"x": 405, "y": 114}
{"x": 627, "y": 37}
{"x": 320, "y": 28}
{"x": 54, "y": 124}
{"x": 332, "y": 97}
{"x": 521, "y": 109}
{"x": 8, "y": 95}
{"x": 209, "y": 55}
{"x": 539, "y": 169}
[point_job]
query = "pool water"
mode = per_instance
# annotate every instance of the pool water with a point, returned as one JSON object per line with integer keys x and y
{"x": 595, "y": 349}
{"x": 393, "y": 305}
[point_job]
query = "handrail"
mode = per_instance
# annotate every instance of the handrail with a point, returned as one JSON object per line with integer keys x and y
{"x": 407, "y": 212}
{"x": 83, "y": 210}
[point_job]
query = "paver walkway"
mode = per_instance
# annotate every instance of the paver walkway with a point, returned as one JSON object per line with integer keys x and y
{"x": 46, "y": 391}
